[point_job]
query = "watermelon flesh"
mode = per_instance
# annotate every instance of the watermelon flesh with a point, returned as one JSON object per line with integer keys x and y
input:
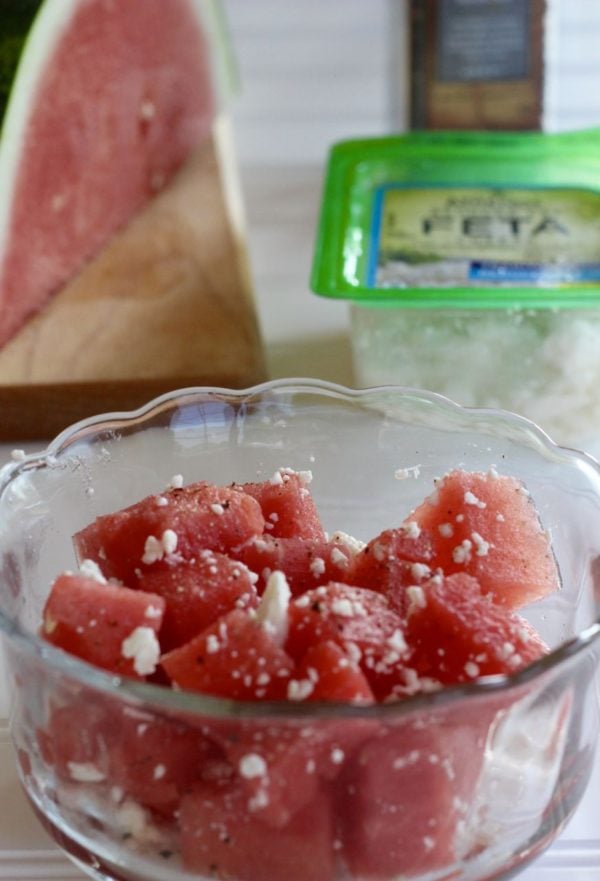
{"x": 198, "y": 592}
{"x": 221, "y": 838}
{"x": 457, "y": 634}
{"x": 289, "y": 796}
{"x": 287, "y": 505}
{"x": 234, "y": 657}
{"x": 110, "y": 626}
{"x": 404, "y": 793}
{"x": 109, "y": 100}
{"x": 486, "y": 525}
{"x": 161, "y": 530}
{"x": 306, "y": 562}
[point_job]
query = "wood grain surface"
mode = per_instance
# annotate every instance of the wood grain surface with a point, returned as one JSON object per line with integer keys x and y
{"x": 166, "y": 304}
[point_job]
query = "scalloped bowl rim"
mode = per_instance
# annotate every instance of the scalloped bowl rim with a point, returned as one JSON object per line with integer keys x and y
{"x": 205, "y": 705}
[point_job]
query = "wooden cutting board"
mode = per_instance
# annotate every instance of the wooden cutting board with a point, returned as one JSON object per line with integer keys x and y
{"x": 167, "y": 304}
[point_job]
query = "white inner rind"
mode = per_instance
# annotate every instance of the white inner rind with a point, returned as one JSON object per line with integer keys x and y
{"x": 48, "y": 27}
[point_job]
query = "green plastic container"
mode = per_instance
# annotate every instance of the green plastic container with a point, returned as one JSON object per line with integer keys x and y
{"x": 472, "y": 265}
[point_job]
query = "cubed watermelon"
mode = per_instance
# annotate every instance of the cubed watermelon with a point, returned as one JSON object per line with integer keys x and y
{"x": 333, "y": 676}
{"x": 164, "y": 529}
{"x": 80, "y": 736}
{"x": 403, "y": 795}
{"x": 222, "y": 838}
{"x": 107, "y": 625}
{"x": 360, "y": 621}
{"x": 149, "y": 759}
{"x": 282, "y": 764}
{"x": 156, "y": 759}
{"x": 306, "y": 562}
{"x": 486, "y": 525}
{"x": 287, "y": 505}
{"x": 457, "y": 634}
{"x": 394, "y": 560}
{"x": 197, "y": 592}
{"x": 236, "y": 657}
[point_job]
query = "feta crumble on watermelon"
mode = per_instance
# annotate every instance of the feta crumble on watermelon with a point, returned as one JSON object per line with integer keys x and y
{"x": 238, "y": 593}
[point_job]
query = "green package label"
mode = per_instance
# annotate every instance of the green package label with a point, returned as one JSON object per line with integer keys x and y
{"x": 473, "y": 220}
{"x": 480, "y": 237}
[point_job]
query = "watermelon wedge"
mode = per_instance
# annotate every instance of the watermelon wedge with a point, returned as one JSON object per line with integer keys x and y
{"x": 109, "y": 99}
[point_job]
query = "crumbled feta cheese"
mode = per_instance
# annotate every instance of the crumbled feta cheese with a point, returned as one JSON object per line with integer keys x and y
{"x": 155, "y": 549}
{"x": 217, "y": 509}
{"x": 142, "y": 646}
{"x": 379, "y": 552}
{"x": 90, "y": 569}
{"x": 272, "y": 611}
{"x": 17, "y": 455}
{"x": 343, "y": 607}
{"x": 419, "y": 571}
{"x": 134, "y": 821}
{"x": 446, "y": 530}
{"x": 85, "y": 772}
{"x": 317, "y": 568}
{"x": 471, "y": 499}
{"x": 482, "y": 546}
{"x": 353, "y": 545}
{"x": 212, "y": 644}
{"x": 405, "y": 761}
{"x": 411, "y": 529}
{"x": 353, "y": 651}
{"x": 169, "y": 541}
{"x": 305, "y": 477}
{"x": 162, "y": 501}
{"x": 462, "y": 552}
{"x": 251, "y": 766}
{"x": 147, "y": 110}
{"x": 416, "y": 598}
{"x": 299, "y": 689}
{"x": 258, "y": 801}
{"x": 338, "y": 558}
{"x": 176, "y": 482}
{"x": 397, "y": 642}
{"x": 471, "y": 669}
{"x": 337, "y": 756}
{"x": 151, "y": 612}
{"x": 410, "y": 471}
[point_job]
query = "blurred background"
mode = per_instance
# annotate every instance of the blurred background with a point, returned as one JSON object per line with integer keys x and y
{"x": 313, "y": 73}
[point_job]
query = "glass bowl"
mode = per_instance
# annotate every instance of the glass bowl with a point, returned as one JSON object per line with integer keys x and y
{"x": 128, "y": 777}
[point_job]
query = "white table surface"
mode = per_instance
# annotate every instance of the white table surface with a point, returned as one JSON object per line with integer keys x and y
{"x": 311, "y": 76}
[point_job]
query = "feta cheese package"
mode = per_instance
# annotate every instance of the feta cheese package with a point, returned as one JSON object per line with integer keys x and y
{"x": 472, "y": 265}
